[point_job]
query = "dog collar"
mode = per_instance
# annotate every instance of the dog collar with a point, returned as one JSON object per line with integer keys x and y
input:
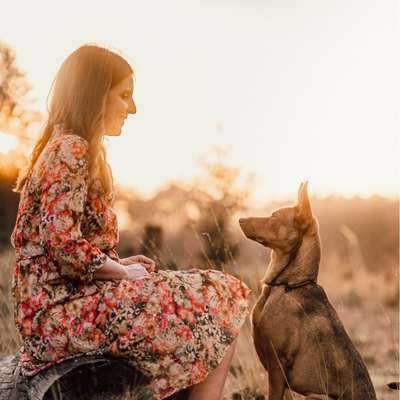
{"x": 291, "y": 287}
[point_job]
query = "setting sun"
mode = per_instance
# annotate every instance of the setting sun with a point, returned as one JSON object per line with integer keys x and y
{"x": 7, "y": 143}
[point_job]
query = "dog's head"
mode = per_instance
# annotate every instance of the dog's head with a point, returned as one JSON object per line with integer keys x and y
{"x": 285, "y": 227}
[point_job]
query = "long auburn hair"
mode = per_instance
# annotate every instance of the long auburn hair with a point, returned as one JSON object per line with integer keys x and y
{"x": 77, "y": 102}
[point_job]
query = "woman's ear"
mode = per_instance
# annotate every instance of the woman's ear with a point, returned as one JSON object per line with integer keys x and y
{"x": 303, "y": 215}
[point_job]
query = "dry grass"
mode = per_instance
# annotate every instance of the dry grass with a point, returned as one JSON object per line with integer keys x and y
{"x": 8, "y": 339}
{"x": 367, "y": 304}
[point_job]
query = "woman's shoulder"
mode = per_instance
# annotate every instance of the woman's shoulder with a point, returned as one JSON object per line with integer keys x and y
{"x": 67, "y": 139}
{"x": 64, "y": 153}
{"x": 67, "y": 148}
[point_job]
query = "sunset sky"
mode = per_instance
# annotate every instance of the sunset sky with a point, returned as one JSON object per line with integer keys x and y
{"x": 295, "y": 89}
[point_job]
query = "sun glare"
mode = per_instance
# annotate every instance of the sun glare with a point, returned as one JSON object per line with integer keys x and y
{"x": 7, "y": 143}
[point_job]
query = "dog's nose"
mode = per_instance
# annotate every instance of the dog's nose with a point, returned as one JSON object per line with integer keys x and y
{"x": 241, "y": 220}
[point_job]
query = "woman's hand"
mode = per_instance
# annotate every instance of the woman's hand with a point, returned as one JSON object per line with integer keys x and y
{"x": 113, "y": 270}
{"x": 148, "y": 263}
{"x": 136, "y": 271}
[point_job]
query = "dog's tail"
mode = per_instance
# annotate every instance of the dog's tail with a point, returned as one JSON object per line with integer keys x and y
{"x": 394, "y": 385}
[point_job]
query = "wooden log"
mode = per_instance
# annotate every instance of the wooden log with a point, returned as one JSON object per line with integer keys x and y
{"x": 7, "y": 379}
{"x": 80, "y": 378}
{"x": 83, "y": 378}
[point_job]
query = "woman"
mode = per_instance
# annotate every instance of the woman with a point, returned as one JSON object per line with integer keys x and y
{"x": 72, "y": 294}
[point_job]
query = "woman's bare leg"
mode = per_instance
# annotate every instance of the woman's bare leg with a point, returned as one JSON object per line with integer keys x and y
{"x": 211, "y": 387}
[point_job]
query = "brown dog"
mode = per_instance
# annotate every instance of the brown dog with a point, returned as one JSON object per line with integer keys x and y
{"x": 297, "y": 333}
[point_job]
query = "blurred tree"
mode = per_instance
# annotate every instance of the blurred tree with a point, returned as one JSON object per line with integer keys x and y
{"x": 152, "y": 242}
{"x": 8, "y": 199}
{"x": 227, "y": 196}
{"x": 15, "y": 113}
{"x": 153, "y": 246}
{"x": 16, "y": 118}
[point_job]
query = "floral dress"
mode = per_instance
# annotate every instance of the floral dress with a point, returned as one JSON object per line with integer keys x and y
{"x": 174, "y": 326}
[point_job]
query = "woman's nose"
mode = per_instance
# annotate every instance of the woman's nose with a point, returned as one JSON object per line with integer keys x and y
{"x": 132, "y": 108}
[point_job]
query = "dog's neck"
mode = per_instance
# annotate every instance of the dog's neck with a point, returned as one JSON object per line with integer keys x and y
{"x": 297, "y": 267}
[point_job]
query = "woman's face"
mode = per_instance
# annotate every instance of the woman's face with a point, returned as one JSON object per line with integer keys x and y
{"x": 118, "y": 105}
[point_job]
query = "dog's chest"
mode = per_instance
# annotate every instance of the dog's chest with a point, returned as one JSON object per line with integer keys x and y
{"x": 257, "y": 312}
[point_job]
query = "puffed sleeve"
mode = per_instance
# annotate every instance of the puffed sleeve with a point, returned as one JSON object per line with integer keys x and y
{"x": 64, "y": 185}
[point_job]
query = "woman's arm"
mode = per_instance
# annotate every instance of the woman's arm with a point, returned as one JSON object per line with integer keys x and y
{"x": 62, "y": 202}
{"x": 111, "y": 270}
{"x": 64, "y": 185}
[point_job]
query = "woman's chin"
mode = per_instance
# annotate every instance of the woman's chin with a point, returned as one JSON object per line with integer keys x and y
{"x": 114, "y": 132}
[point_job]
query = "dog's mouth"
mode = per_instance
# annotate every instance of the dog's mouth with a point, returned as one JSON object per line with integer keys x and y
{"x": 261, "y": 241}
{"x": 258, "y": 239}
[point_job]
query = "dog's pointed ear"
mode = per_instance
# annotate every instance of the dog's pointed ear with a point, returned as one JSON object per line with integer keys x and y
{"x": 303, "y": 208}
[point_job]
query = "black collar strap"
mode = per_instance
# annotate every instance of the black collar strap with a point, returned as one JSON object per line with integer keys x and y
{"x": 291, "y": 287}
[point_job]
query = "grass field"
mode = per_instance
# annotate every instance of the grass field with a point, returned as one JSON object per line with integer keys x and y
{"x": 366, "y": 302}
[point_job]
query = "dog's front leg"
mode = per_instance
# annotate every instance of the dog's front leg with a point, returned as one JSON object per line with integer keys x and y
{"x": 276, "y": 375}
{"x": 276, "y": 382}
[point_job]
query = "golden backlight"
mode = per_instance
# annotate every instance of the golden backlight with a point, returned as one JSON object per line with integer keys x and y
{"x": 297, "y": 90}
{"x": 7, "y": 143}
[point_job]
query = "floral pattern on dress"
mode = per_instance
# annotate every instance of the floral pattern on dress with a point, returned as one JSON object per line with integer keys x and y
{"x": 174, "y": 326}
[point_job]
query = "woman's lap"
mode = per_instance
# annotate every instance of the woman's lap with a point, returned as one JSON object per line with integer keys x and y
{"x": 175, "y": 326}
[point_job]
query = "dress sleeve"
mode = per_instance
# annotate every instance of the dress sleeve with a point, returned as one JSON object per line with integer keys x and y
{"x": 62, "y": 201}
{"x": 113, "y": 254}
